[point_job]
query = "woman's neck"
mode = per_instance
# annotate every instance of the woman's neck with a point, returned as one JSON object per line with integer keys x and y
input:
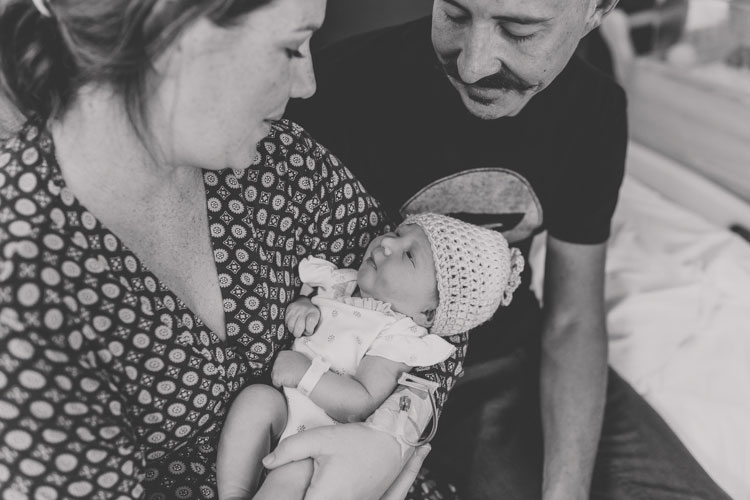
{"x": 102, "y": 158}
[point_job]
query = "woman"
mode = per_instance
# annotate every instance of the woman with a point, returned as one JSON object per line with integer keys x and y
{"x": 148, "y": 250}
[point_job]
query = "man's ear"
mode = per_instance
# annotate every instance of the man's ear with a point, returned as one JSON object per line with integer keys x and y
{"x": 597, "y": 13}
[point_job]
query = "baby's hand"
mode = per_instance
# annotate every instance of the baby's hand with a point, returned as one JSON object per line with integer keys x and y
{"x": 302, "y": 317}
{"x": 289, "y": 368}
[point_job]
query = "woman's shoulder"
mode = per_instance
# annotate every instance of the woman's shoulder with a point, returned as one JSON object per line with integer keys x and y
{"x": 24, "y": 154}
{"x": 289, "y": 159}
{"x": 25, "y": 175}
{"x": 289, "y": 142}
{"x": 29, "y": 246}
{"x": 295, "y": 187}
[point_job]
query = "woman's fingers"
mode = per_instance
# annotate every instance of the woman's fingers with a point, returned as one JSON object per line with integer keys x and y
{"x": 296, "y": 447}
{"x": 351, "y": 461}
{"x": 403, "y": 482}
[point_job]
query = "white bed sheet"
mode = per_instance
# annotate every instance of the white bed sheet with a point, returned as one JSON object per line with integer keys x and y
{"x": 678, "y": 302}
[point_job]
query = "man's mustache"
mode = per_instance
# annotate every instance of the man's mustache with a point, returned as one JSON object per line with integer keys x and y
{"x": 504, "y": 79}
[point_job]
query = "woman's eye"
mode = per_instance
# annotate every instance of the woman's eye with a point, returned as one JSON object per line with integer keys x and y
{"x": 457, "y": 18}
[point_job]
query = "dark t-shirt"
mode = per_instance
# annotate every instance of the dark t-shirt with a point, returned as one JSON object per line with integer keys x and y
{"x": 385, "y": 107}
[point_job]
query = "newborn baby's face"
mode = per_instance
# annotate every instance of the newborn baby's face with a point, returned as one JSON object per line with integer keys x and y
{"x": 399, "y": 269}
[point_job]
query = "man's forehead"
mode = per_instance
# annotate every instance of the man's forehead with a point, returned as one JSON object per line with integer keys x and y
{"x": 518, "y": 8}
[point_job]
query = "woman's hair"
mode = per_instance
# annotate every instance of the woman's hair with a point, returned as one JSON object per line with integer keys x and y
{"x": 44, "y": 61}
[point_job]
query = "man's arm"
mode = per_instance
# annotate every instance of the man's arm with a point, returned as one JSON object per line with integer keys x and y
{"x": 573, "y": 366}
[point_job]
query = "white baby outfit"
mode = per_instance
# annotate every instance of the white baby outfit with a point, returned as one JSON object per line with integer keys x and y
{"x": 350, "y": 328}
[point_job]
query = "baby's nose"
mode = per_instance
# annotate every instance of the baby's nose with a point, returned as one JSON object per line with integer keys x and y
{"x": 387, "y": 244}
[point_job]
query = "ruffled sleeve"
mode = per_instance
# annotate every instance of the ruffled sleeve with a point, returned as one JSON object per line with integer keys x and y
{"x": 406, "y": 342}
{"x": 315, "y": 272}
{"x": 332, "y": 283}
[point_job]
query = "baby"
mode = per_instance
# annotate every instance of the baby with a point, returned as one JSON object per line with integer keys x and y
{"x": 433, "y": 276}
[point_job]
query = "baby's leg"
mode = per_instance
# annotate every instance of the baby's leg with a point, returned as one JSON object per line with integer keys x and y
{"x": 257, "y": 415}
{"x": 288, "y": 482}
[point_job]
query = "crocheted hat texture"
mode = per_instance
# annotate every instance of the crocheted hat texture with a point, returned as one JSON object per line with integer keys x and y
{"x": 476, "y": 271}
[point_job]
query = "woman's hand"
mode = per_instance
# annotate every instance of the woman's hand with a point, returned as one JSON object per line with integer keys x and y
{"x": 351, "y": 462}
{"x": 289, "y": 368}
{"x": 405, "y": 479}
{"x": 302, "y": 317}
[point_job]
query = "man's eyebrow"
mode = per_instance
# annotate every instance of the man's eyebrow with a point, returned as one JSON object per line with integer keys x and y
{"x": 512, "y": 18}
{"x": 521, "y": 19}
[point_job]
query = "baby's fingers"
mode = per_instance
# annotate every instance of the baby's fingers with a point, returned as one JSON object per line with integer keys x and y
{"x": 298, "y": 328}
{"x": 295, "y": 322}
{"x": 311, "y": 321}
{"x": 291, "y": 315}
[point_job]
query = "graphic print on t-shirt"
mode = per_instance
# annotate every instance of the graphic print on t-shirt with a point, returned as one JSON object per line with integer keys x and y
{"x": 495, "y": 198}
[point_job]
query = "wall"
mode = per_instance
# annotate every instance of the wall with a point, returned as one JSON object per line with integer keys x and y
{"x": 348, "y": 17}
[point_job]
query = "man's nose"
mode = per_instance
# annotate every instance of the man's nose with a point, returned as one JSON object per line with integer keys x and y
{"x": 479, "y": 56}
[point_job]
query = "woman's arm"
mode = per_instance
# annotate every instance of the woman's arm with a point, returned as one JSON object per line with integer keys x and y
{"x": 47, "y": 418}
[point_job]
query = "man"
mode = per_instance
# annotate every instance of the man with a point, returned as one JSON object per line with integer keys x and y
{"x": 480, "y": 112}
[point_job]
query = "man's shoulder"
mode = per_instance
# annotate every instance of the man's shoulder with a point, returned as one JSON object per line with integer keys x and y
{"x": 584, "y": 85}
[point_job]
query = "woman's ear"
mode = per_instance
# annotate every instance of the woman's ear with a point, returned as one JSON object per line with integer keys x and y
{"x": 599, "y": 10}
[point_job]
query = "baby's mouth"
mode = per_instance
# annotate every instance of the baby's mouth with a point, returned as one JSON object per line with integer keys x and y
{"x": 371, "y": 261}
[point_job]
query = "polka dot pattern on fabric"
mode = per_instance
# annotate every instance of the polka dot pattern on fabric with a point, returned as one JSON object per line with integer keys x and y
{"x": 110, "y": 386}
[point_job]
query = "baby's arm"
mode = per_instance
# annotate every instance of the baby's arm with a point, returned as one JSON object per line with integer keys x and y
{"x": 346, "y": 399}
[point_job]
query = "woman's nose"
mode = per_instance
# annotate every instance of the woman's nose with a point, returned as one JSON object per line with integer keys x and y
{"x": 304, "y": 84}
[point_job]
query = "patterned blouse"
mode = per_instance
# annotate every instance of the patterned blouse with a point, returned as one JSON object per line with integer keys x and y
{"x": 110, "y": 386}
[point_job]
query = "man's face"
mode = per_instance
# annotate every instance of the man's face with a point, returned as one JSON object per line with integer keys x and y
{"x": 499, "y": 53}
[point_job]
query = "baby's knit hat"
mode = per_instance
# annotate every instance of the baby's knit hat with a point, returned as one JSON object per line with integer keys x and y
{"x": 476, "y": 271}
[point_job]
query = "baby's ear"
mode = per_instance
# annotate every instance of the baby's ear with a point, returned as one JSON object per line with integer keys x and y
{"x": 426, "y": 318}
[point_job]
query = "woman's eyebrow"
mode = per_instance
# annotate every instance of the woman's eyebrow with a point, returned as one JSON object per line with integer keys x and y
{"x": 309, "y": 27}
{"x": 456, "y": 5}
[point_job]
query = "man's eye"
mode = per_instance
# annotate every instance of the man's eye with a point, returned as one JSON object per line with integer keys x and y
{"x": 519, "y": 37}
{"x": 292, "y": 53}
